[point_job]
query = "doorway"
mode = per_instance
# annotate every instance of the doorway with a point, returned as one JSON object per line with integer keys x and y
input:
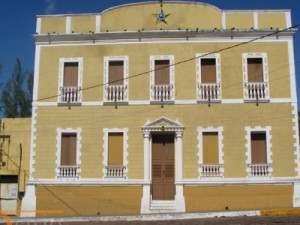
{"x": 163, "y": 166}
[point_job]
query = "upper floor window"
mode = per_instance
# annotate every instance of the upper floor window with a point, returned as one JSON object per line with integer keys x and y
{"x": 70, "y": 80}
{"x": 115, "y": 77}
{"x": 208, "y": 78}
{"x": 258, "y": 155}
{"x": 255, "y": 77}
{"x": 162, "y": 79}
{"x": 210, "y": 152}
{"x": 68, "y": 153}
{"x": 115, "y": 153}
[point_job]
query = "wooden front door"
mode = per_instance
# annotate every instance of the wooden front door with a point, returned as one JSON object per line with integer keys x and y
{"x": 163, "y": 171}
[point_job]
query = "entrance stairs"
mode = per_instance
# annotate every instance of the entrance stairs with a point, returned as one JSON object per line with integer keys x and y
{"x": 162, "y": 206}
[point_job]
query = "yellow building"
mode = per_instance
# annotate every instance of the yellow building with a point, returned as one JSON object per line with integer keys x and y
{"x": 149, "y": 108}
{"x": 14, "y": 162}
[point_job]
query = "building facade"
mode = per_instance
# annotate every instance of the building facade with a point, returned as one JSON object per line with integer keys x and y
{"x": 14, "y": 163}
{"x": 150, "y": 108}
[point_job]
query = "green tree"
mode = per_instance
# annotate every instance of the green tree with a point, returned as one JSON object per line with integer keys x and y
{"x": 16, "y": 97}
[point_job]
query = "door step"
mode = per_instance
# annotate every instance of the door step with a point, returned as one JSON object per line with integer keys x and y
{"x": 162, "y": 206}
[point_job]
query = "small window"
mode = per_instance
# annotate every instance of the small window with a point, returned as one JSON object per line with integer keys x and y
{"x": 68, "y": 149}
{"x": 162, "y": 72}
{"x": 255, "y": 70}
{"x": 116, "y": 73}
{"x": 115, "y": 149}
{"x": 258, "y": 148}
{"x": 70, "y": 74}
{"x": 210, "y": 148}
{"x": 208, "y": 70}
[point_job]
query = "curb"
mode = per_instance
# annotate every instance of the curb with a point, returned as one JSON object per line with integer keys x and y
{"x": 280, "y": 212}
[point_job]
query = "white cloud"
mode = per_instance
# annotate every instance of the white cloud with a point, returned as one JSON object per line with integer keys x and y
{"x": 50, "y": 6}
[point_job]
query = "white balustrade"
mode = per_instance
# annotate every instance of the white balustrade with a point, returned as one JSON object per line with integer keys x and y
{"x": 163, "y": 92}
{"x": 208, "y": 91}
{"x": 68, "y": 171}
{"x": 115, "y": 171}
{"x": 70, "y": 94}
{"x": 211, "y": 170}
{"x": 259, "y": 170}
{"x": 256, "y": 90}
{"x": 116, "y": 93}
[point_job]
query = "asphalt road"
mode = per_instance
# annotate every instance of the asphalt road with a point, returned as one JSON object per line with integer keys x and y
{"x": 261, "y": 220}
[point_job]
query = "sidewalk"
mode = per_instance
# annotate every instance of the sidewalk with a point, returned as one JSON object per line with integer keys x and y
{"x": 161, "y": 217}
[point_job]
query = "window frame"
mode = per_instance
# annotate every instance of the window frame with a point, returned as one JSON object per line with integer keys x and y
{"x": 107, "y": 60}
{"x": 171, "y": 59}
{"x": 60, "y": 132}
{"x": 263, "y": 56}
{"x": 267, "y": 131}
{"x": 62, "y": 62}
{"x": 106, "y": 132}
{"x": 218, "y": 130}
{"x": 199, "y": 57}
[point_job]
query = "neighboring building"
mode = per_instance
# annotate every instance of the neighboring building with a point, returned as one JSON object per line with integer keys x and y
{"x": 14, "y": 162}
{"x": 146, "y": 108}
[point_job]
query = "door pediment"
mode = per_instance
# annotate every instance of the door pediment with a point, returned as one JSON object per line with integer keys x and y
{"x": 163, "y": 124}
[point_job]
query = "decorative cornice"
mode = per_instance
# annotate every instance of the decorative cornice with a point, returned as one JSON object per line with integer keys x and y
{"x": 140, "y": 34}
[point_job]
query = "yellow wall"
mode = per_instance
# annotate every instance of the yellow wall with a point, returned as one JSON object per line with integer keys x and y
{"x": 89, "y": 201}
{"x": 83, "y": 24}
{"x": 271, "y": 19}
{"x": 185, "y": 73}
{"x": 56, "y": 24}
{"x": 217, "y": 198}
{"x": 92, "y": 120}
{"x": 18, "y": 131}
{"x": 239, "y": 20}
{"x": 136, "y": 17}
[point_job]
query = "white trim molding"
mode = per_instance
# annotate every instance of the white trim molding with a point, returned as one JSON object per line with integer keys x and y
{"x": 266, "y": 170}
{"x": 208, "y": 92}
{"x": 62, "y": 62}
{"x": 60, "y": 132}
{"x": 162, "y": 124}
{"x": 256, "y": 91}
{"x": 167, "y": 94}
{"x": 124, "y": 170}
{"x": 115, "y": 93}
{"x": 216, "y": 171}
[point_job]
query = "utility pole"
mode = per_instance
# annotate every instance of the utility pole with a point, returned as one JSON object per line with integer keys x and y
{"x": 20, "y": 167}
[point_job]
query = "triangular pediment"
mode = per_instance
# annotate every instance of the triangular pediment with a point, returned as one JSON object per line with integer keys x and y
{"x": 164, "y": 123}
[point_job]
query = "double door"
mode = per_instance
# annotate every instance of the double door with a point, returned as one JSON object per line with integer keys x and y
{"x": 163, "y": 169}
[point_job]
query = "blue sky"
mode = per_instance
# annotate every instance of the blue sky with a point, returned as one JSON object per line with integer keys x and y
{"x": 18, "y": 20}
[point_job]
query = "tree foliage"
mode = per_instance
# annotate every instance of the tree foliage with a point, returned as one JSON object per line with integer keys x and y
{"x": 16, "y": 97}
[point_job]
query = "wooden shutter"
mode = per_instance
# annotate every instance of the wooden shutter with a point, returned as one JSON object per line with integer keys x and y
{"x": 255, "y": 70}
{"x": 71, "y": 74}
{"x": 116, "y": 72}
{"x": 210, "y": 148}
{"x": 68, "y": 149}
{"x": 162, "y": 72}
{"x": 258, "y": 148}
{"x": 115, "y": 149}
{"x": 208, "y": 70}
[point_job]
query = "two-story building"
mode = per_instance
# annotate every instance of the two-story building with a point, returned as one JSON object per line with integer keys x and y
{"x": 150, "y": 108}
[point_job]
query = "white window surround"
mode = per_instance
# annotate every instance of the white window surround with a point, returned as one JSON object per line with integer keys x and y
{"x": 257, "y": 129}
{"x": 107, "y": 131}
{"x": 125, "y": 60}
{"x": 62, "y": 62}
{"x": 60, "y": 132}
{"x": 202, "y": 130}
{"x": 153, "y": 58}
{"x": 263, "y": 56}
{"x": 215, "y": 56}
